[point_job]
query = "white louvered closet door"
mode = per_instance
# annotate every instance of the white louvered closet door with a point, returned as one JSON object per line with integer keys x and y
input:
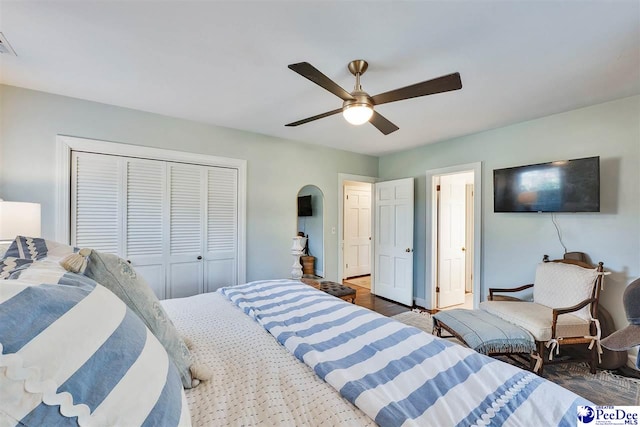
{"x": 221, "y": 262}
{"x": 96, "y": 208}
{"x": 186, "y": 229}
{"x": 144, "y": 230}
{"x": 176, "y": 223}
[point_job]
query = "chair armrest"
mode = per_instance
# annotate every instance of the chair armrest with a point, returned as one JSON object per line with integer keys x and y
{"x": 518, "y": 289}
{"x": 566, "y": 310}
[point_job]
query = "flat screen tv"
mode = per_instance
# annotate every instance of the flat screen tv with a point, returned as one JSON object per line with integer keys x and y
{"x": 560, "y": 186}
{"x": 304, "y": 206}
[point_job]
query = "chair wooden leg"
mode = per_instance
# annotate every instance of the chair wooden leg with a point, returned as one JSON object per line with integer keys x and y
{"x": 594, "y": 359}
{"x": 541, "y": 354}
{"x": 437, "y": 328}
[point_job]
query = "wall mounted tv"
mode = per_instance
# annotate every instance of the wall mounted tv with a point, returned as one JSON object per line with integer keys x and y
{"x": 304, "y": 206}
{"x": 560, "y": 186}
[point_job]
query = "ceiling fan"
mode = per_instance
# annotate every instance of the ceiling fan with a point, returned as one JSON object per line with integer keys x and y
{"x": 357, "y": 107}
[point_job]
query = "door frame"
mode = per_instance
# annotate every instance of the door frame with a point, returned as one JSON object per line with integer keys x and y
{"x": 431, "y": 222}
{"x": 342, "y": 177}
{"x": 66, "y": 144}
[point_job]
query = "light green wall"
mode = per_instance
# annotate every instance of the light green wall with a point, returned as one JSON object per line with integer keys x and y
{"x": 513, "y": 243}
{"x": 276, "y": 168}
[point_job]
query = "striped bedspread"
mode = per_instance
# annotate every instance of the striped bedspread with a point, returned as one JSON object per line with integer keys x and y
{"x": 397, "y": 374}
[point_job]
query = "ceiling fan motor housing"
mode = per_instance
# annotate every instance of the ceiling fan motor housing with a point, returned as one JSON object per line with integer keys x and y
{"x": 358, "y": 110}
{"x": 360, "y": 99}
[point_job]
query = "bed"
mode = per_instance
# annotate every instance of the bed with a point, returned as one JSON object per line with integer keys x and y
{"x": 278, "y": 352}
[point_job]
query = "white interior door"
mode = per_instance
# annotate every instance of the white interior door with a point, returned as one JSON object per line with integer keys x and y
{"x": 393, "y": 249}
{"x": 220, "y": 258}
{"x": 451, "y": 240}
{"x": 96, "y": 208}
{"x": 144, "y": 233}
{"x": 185, "y": 229}
{"x": 357, "y": 230}
{"x": 468, "y": 276}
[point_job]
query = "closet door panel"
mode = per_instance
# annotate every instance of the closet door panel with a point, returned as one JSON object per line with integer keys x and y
{"x": 186, "y": 225}
{"x": 154, "y": 274}
{"x": 96, "y": 208}
{"x": 185, "y": 279}
{"x": 222, "y": 228}
{"x": 220, "y": 273}
{"x": 144, "y": 222}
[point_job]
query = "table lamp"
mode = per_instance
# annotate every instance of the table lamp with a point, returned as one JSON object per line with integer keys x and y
{"x": 19, "y": 219}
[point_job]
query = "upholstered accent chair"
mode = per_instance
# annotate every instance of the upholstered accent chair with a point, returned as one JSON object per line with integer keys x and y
{"x": 563, "y": 311}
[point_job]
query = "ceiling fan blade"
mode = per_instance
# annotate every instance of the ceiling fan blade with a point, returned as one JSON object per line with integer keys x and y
{"x": 383, "y": 125}
{"x": 312, "y": 73}
{"x": 438, "y": 85}
{"x": 319, "y": 116}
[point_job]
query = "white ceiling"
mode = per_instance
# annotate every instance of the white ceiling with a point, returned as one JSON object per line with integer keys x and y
{"x": 225, "y": 63}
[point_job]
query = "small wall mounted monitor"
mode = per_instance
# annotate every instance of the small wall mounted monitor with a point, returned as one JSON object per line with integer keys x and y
{"x": 560, "y": 186}
{"x": 304, "y": 206}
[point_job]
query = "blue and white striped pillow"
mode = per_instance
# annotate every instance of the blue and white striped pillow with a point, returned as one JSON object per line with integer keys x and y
{"x": 76, "y": 350}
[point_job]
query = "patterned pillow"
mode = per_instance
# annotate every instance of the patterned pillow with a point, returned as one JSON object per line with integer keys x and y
{"x": 11, "y": 265}
{"x": 560, "y": 285}
{"x": 36, "y": 248}
{"x": 117, "y": 275}
{"x": 78, "y": 351}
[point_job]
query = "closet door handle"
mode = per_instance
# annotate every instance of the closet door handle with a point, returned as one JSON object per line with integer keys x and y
{"x": 199, "y": 257}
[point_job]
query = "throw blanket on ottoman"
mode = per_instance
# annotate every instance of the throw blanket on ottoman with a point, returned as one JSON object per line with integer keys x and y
{"x": 484, "y": 332}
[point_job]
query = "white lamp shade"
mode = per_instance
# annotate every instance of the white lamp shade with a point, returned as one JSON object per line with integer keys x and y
{"x": 19, "y": 219}
{"x": 357, "y": 114}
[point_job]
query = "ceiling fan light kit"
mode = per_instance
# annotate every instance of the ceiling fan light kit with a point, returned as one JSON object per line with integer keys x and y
{"x": 358, "y": 106}
{"x": 359, "y": 110}
{"x": 357, "y": 114}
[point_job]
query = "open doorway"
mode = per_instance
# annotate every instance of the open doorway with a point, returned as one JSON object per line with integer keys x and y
{"x": 453, "y": 237}
{"x": 310, "y": 225}
{"x": 355, "y": 229}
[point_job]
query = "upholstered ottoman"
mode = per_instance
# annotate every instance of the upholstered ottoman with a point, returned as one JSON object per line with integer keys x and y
{"x": 337, "y": 290}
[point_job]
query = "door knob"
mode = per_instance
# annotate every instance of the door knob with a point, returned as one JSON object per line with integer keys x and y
{"x": 408, "y": 250}
{"x": 129, "y": 261}
{"x": 199, "y": 257}
{"x": 463, "y": 249}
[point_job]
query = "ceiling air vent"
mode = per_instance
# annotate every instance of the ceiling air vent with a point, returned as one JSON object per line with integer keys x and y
{"x": 5, "y": 47}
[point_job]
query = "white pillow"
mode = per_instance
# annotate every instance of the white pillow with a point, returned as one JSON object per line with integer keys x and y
{"x": 559, "y": 285}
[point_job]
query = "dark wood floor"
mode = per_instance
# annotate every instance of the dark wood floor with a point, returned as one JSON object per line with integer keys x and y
{"x": 364, "y": 298}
